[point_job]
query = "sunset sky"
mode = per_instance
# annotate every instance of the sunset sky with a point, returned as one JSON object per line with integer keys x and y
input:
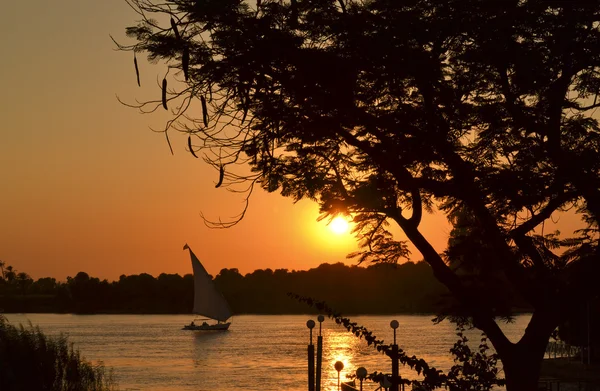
{"x": 85, "y": 185}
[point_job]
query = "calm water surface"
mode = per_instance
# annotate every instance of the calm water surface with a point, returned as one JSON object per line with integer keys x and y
{"x": 259, "y": 352}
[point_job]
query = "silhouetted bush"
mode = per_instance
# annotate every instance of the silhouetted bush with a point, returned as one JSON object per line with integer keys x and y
{"x": 30, "y": 360}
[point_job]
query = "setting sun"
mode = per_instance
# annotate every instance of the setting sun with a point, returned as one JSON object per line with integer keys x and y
{"x": 339, "y": 225}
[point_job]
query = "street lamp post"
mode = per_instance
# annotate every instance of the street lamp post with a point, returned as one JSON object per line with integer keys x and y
{"x": 311, "y": 357}
{"x": 338, "y": 367}
{"x": 320, "y": 318}
{"x": 361, "y": 374}
{"x": 395, "y": 370}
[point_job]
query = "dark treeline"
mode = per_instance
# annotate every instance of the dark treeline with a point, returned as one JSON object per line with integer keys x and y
{"x": 377, "y": 289}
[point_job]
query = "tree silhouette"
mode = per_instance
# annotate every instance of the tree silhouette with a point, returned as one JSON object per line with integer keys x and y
{"x": 377, "y": 289}
{"x": 10, "y": 274}
{"x": 2, "y": 264}
{"x": 23, "y": 280}
{"x": 384, "y": 109}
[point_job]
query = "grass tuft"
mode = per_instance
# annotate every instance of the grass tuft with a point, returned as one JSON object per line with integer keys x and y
{"x": 30, "y": 360}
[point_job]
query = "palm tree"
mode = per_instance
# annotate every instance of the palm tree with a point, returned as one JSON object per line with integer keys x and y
{"x": 23, "y": 280}
{"x": 10, "y": 273}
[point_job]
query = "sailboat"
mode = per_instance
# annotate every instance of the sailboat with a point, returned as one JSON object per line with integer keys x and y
{"x": 208, "y": 301}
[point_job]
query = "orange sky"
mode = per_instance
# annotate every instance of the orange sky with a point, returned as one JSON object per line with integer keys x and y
{"x": 86, "y": 186}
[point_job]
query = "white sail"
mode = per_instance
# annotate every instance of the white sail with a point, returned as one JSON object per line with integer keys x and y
{"x": 208, "y": 301}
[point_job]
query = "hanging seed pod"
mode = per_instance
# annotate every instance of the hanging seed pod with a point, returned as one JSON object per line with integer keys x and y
{"x": 245, "y": 113}
{"x": 342, "y": 5}
{"x": 191, "y": 148}
{"x": 164, "y": 93}
{"x": 137, "y": 70}
{"x": 204, "y": 110}
{"x": 174, "y": 27}
{"x": 221, "y": 176}
{"x": 185, "y": 62}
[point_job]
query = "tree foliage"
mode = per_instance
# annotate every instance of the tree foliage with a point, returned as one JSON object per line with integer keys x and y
{"x": 385, "y": 109}
{"x": 475, "y": 371}
{"x": 379, "y": 289}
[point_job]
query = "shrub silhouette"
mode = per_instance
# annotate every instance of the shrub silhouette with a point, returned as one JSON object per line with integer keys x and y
{"x": 30, "y": 360}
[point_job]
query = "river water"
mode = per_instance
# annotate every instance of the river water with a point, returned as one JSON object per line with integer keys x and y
{"x": 259, "y": 352}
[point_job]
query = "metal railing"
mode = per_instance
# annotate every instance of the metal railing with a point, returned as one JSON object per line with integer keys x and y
{"x": 560, "y": 349}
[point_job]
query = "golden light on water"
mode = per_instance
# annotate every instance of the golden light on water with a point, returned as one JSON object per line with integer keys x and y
{"x": 341, "y": 346}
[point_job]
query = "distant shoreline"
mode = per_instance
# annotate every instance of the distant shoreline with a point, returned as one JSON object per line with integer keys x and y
{"x": 187, "y": 313}
{"x": 381, "y": 289}
{"x": 519, "y": 313}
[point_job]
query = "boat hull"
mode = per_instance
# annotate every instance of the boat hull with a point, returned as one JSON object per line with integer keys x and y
{"x": 208, "y": 327}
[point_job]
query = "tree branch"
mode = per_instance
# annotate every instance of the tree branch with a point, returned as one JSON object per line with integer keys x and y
{"x": 543, "y": 215}
{"x": 475, "y": 199}
{"x": 482, "y": 315}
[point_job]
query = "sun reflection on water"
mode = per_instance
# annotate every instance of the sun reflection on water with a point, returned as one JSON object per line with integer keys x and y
{"x": 341, "y": 346}
{"x": 353, "y": 352}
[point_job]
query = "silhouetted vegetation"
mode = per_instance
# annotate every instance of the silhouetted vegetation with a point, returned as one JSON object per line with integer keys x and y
{"x": 29, "y": 360}
{"x": 378, "y": 289}
{"x": 381, "y": 109}
{"x": 471, "y": 370}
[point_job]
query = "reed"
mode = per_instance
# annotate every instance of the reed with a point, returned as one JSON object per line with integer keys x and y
{"x": 30, "y": 360}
